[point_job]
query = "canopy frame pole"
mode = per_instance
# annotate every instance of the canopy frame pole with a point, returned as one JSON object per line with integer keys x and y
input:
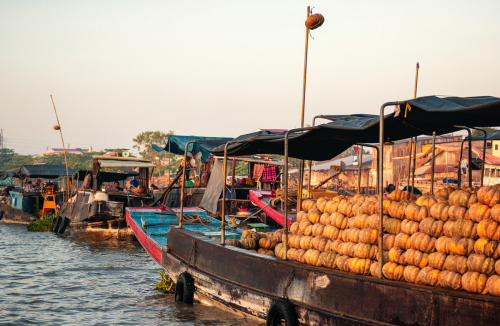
{"x": 223, "y": 208}
{"x": 409, "y": 164}
{"x": 470, "y": 157}
{"x": 62, "y": 140}
{"x": 169, "y": 161}
{"x": 381, "y": 184}
{"x": 359, "y": 168}
{"x": 414, "y": 166}
{"x": 233, "y": 176}
{"x": 378, "y": 170}
{"x": 484, "y": 152}
{"x": 433, "y": 160}
{"x": 183, "y": 182}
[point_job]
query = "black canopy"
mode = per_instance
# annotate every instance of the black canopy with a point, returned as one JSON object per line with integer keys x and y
{"x": 108, "y": 176}
{"x": 44, "y": 171}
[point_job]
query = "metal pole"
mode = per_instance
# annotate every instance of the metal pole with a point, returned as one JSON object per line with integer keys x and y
{"x": 359, "y": 168}
{"x": 223, "y": 208}
{"x": 484, "y": 152}
{"x": 381, "y": 186}
{"x": 169, "y": 161}
{"x": 409, "y": 166}
{"x": 378, "y": 174}
{"x": 233, "y": 175}
{"x": 433, "y": 160}
{"x": 183, "y": 182}
{"x": 414, "y": 166}
{"x": 459, "y": 163}
{"x": 300, "y": 185}
{"x": 470, "y": 157}
{"x": 62, "y": 140}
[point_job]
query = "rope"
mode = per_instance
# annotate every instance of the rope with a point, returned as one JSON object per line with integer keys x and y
{"x": 288, "y": 283}
{"x": 292, "y": 196}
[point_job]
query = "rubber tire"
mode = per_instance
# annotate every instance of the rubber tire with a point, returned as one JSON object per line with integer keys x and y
{"x": 184, "y": 289}
{"x": 55, "y": 224}
{"x": 63, "y": 225}
{"x": 281, "y": 309}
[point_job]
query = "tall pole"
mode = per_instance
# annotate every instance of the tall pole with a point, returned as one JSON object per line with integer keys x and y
{"x": 62, "y": 140}
{"x": 416, "y": 81}
{"x": 169, "y": 161}
{"x": 409, "y": 165}
{"x": 359, "y": 168}
{"x": 415, "y": 146}
{"x": 433, "y": 159}
{"x": 183, "y": 182}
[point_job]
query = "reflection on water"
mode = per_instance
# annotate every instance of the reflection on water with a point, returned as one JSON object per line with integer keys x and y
{"x": 54, "y": 280}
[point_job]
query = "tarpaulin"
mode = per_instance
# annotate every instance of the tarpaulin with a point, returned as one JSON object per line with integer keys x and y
{"x": 44, "y": 171}
{"x": 202, "y": 144}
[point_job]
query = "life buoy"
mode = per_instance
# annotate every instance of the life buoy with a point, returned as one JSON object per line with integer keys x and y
{"x": 281, "y": 313}
{"x": 55, "y": 224}
{"x": 184, "y": 289}
{"x": 63, "y": 225}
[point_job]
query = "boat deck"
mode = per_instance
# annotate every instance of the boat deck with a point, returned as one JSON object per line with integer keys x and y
{"x": 261, "y": 199}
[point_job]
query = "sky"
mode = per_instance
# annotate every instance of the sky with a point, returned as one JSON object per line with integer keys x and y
{"x": 226, "y": 68}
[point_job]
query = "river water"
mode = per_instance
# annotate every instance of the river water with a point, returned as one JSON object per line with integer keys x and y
{"x": 47, "y": 279}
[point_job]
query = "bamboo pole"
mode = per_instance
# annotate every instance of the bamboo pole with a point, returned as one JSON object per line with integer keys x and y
{"x": 409, "y": 165}
{"x": 62, "y": 140}
{"x": 414, "y": 166}
{"x": 359, "y": 167}
{"x": 433, "y": 160}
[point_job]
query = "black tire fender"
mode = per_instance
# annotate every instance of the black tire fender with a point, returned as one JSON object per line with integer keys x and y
{"x": 281, "y": 311}
{"x": 63, "y": 225}
{"x": 184, "y": 289}
{"x": 55, "y": 224}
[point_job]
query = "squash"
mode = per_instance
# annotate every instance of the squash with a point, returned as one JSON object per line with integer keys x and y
{"x": 279, "y": 251}
{"x": 374, "y": 221}
{"x": 479, "y": 212}
{"x": 331, "y": 232}
{"x": 331, "y": 206}
{"x": 416, "y": 213}
{"x": 364, "y": 251}
{"x": 459, "y": 198}
{"x": 303, "y": 225}
{"x": 325, "y": 219}
{"x": 489, "y": 228}
{"x": 393, "y": 226}
{"x": 495, "y": 212}
{"x": 374, "y": 269}
{"x": 442, "y": 244}
{"x": 450, "y": 280}
{"x": 410, "y": 273}
{"x": 465, "y": 228}
{"x": 289, "y": 254}
{"x": 302, "y": 215}
{"x": 248, "y": 244}
{"x": 409, "y": 227}
{"x": 460, "y": 246}
{"x": 294, "y": 228}
{"x": 449, "y": 229}
{"x": 439, "y": 211}
{"x": 437, "y": 259}
{"x": 493, "y": 285}
{"x": 487, "y": 247}
{"x": 397, "y": 209}
{"x": 356, "y": 209}
{"x": 351, "y": 235}
{"x": 428, "y": 276}
{"x": 313, "y": 215}
{"x": 359, "y": 266}
{"x": 431, "y": 227}
{"x": 319, "y": 243}
{"x": 402, "y": 241}
{"x": 347, "y": 249}
{"x": 415, "y": 258}
{"x": 369, "y": 236}
{"x": 267, "y": 243}
{"x": 396, "y": 255}
{"x": 427, "y": 201}
{"x": 308, "y": 204}
{"x": 234, "y": 243}
{"x": 276, "y": 238}
{"x": 317, "y": 229}
{"x": 497, "y": 267}
{"x": 246, "y": 234}
{"x": 360, "y": 221}
{"x": 368, "y": 208}
{"x": 456, "y": 212}
{"x": 346, "y": 209}
{"x": 336, "y": 245}
{"x": 395, "y": 195}
{"x": 308, "y": 230}
{"x": 475, "y": 282}
{"x": 406, "y": 196}
{"x": 298, "y": 255}
{"x": 423, "y": 242}
{"x": 481, "y": 263}
{"x": 321, "y": 203}
{"x": 386, "y": 203}
{"x": 388, "y": 241}
{"x": 339, "y": 220}
{"x": 312, "y": 257}
{"x": 445, "y": 192}
{"x": 472, "y": 200}
{"x": 327, "y": 259}
{"x": 457, "y": 264}
{"x": 488, "y": 196}
{"x": 328, "y": 246}
{"x": 393, "y": 271}
{"x": 294, "y": 241}
{"x": 341, "y": 263}
{"x": 353, "y": 200}
{"x": 306, "y": 242}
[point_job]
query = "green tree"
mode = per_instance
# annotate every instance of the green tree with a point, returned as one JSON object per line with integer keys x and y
{"x": 144, "y": 144}
{"x": 118, "y": 150}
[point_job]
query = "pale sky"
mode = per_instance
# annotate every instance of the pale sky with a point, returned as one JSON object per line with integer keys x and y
{"x": 225, "y": 68}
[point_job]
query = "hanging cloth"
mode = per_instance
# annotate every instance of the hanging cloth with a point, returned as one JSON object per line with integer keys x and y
{"x": 269, "y": 173}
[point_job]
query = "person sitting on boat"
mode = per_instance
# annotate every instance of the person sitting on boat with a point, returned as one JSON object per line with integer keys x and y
{"x": 38, "y": 185}
{"x": 389, "y": 189}
{"x": 134, "y": 183}
{"x": 29, "y": 187}
{"x": 117, "y": 186}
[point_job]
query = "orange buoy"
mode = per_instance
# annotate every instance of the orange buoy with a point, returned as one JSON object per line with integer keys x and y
{"x": 315, "y": 21}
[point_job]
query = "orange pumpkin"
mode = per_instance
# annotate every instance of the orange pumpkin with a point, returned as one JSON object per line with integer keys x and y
{"x": 423, "y": 242}
{"x": 267, "y": 243}
{"x": 495, "y": 212}
{"x": 427, "y": 201}
{"x": 234, "y": 243}
{"x": 279, "y": 251}
{"x": 460, "y": 246}
{"x": 369, "y": 236}
{"x": 396, "y": 255}
{"x": 308, "y": 204}
{"x": 410, "y": 273}
{"x": 351, "y": 235}
{"x": 294, "y": 228}
{"x": 450, "y": 280}
{"x": 488, "y": 196}
{"x": 312, "y": 257}
{"x": 395, "y": 195}
{"x": 306, "y": 242}
{"x": 428, "y": 276}
{"x": 248, "y": 243}
{"x": 317, "y": 229}
{"x": 346, "y": 209}
{"x": 393, "y": 271}
{"x": 415, "y": 258}
{"x": 346, "y": 249}
{"x": 321, "y": 203}
{"x": 475, "y": 282}
{"x": 301, "y": 216}
{"x": 457, "y": 264}
{"x": 331, "y": 232}
{"x": 331, "y": 206}
{"x": 493, "y": 285}
{"x": 360, "y": 221}
{"x": 465, "y": 229}
{"x": 359, "y": 266}
{"x": 299, "y": 256}
{"x": 339, "y": 220}
{"x": 487, "y": 247}
{"x": 341, "y": 263}
{"x": 479, "y": 212}
{"x": 393, "y": 226}
{"x": 313, "y": 215}
{"x": 431, "y": 227}
{"x": 459, "y": 198}
{"x": 319, "y": 243}
{"x": 416, "y": 213}
{"x": 497, "y": 267}
{"x": 327, "y": 259}
{"x": 409, "y": 227}
{"x": 308, "y": 230}
{"x": 456, "y": 212}
{"x": 397, "y": 209}
{"x": 336, "y": 245}
{"x": 386, "y": 204}
{"x": 303, "y": 225}
{"x": 403, "y": 241}
{"x": 325, "y": 218}
{"x": 388, "y": 241}
{"x": 365, "y": 251}
{"x": 439, "y": 211}
{"x": 374, "y": 221}
{"x": 437, "y": 259}
{"x": 489, "y": 228}
{"x": 481, "y": 263}
{"x": 445, "y": 192}
{"x": 290, "y": 254}
{"x": 368, "y": 207}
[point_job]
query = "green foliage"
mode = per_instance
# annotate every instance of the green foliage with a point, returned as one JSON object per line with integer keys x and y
{"x": 144, "y": 144}
{"x": 43, "y": 224}
{"x": 118, "y": 150}
{"x": 488, "y": 129}
{"x": 166, "y": 284}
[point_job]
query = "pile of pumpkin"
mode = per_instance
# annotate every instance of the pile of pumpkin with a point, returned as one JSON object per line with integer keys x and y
{"x": 259, "y": 242}
{"x": 449, "y": 240}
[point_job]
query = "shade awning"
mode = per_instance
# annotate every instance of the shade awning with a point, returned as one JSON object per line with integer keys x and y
{"x": 125, "y": 164}
{"x": 44, "y": 171}
{"x": 108, "y": 176}
{"x": 202, "y": 144}
{"x": 490, "y": 135}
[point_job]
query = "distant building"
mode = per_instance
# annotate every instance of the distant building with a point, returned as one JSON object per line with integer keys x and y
{"x": 79, "y": 151}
